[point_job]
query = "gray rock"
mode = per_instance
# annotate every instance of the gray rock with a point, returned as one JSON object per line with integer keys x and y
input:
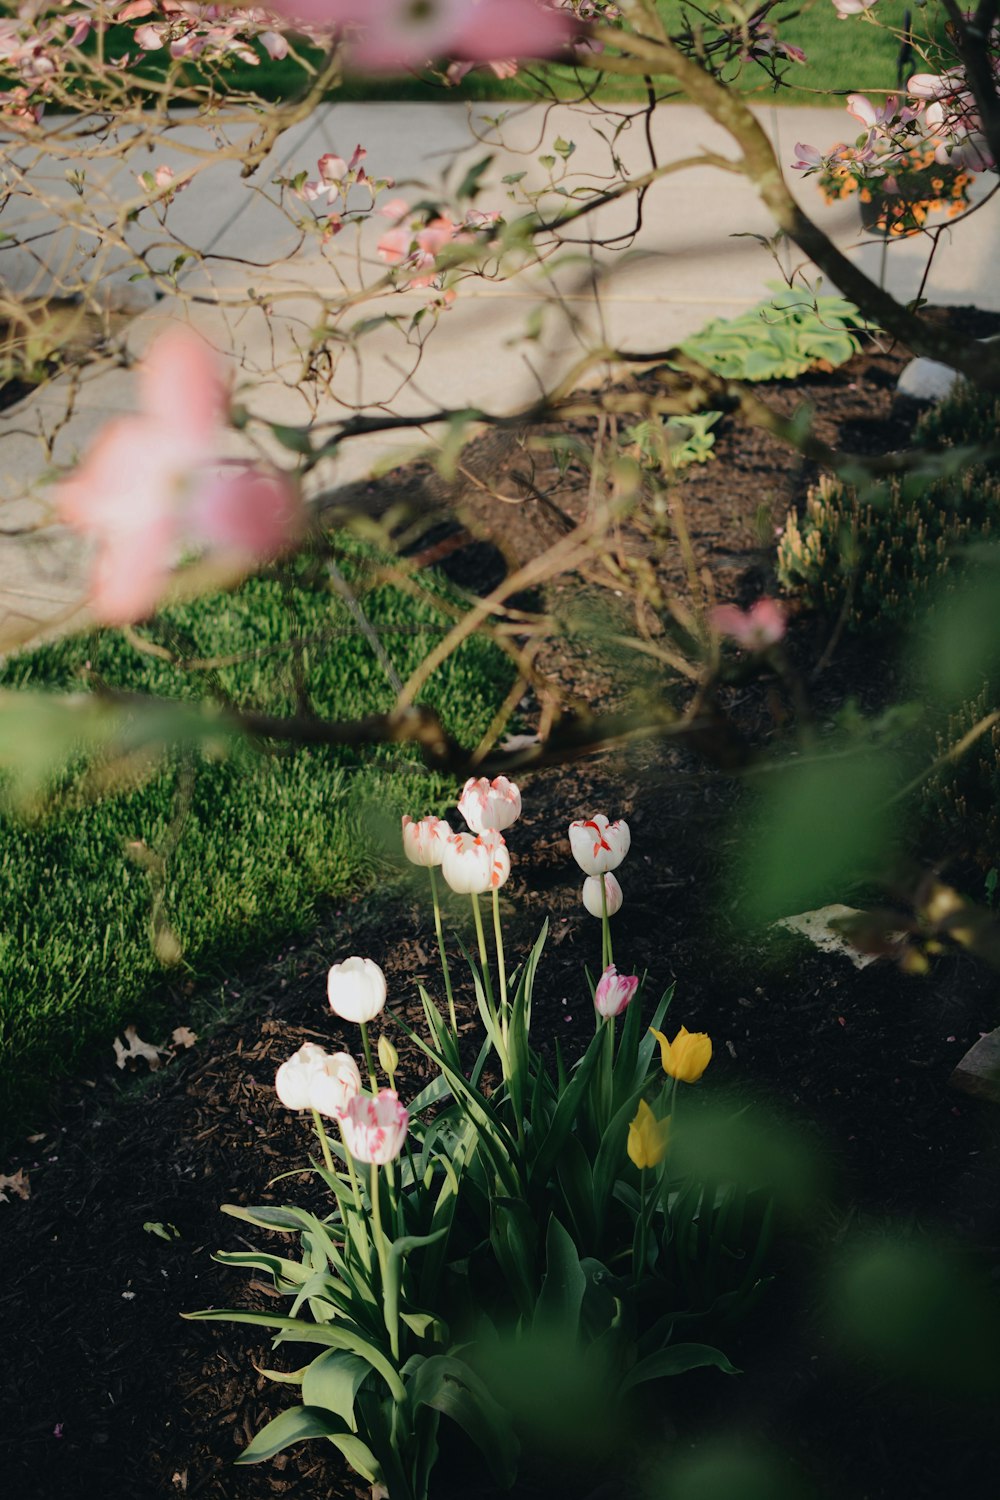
{"x": 979, "y": 1071}
{"x": 927, "y": 380}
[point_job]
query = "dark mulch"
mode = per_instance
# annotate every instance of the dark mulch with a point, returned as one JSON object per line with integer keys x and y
{"x": 107, "y": 1392}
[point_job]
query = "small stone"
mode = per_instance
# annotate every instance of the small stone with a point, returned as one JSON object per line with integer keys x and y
{"x": 979, "y": 1071}
{"x": 926, "y": 380}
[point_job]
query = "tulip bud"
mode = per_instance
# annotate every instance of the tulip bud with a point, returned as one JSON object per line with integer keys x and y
{"x": 388, "y": 1058}
{"x": 687, "y": 1056}
{"x": 489, "y": 804}
{"x": 614, "y": 991}
{"x": 599, "y": 845}
{"x": 423, "y": 842}
{"x": 375, "y": 1128}
{"x": 356, "y": 989}
{"x": 592, "y": 895}
{"x": 647, "y": 1138}
{"x": 474, "y": 863}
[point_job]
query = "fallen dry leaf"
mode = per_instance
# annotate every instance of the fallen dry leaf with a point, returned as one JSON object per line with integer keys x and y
{"x": 136, "y": 1048}
{"x": 18, "y": 1184}
{"x": 183, "y": 1036}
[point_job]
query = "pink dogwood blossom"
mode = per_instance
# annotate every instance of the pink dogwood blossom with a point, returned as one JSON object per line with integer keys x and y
{"x": 756, "y": 628}
{"x": 147, "y": 489}
{"x": 388, "y": 35}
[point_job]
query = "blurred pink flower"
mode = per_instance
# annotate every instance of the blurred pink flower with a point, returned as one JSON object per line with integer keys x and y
{"x": 374, "y": 1127}
{"x": 490, "y": 804}
{"x": 614, "y": 991}
{"x": 387, "y": 35}
{"x": 760, "y": 626}
{"x": 145, "y": 491}
{"x": 807, "y": 158}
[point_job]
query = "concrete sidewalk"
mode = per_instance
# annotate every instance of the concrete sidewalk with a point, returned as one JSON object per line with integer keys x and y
{"x": 258, "y": 289}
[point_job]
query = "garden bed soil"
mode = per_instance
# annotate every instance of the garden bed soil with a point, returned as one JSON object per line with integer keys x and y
{"x": 108, "y": 1393}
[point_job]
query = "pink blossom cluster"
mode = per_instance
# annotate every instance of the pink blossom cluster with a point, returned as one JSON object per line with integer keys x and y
{"x": 414, "y": 242}
{"x": 187, "y": 30}
{"x": 938, "y": 112}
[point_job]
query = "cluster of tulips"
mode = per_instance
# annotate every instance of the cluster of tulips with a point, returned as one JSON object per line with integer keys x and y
{"x": 373, "y": 1125}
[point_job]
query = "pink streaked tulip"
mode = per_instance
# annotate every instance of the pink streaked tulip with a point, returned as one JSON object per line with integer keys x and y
{"x": 599, "y": 845}
{"x": 356, "y": 990}
{"x": 592, "y": 895}
{"x": 614, "y": 991}
{"x": 845, "y": 8}
{"x": 755, "y": 629}
{"x": 316, "y": 1079}
{"x": 475, "y": 863}
{"x": 490, "y": 804}
{"x": 424, "y": 842}
{"x": 374, "y": 1127}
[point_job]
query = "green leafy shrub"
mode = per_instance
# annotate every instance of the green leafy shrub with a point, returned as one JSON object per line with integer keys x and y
{"x": 792, "y": 332}
{"x": 962, "y": 799}
{"x": 885, "y": 550}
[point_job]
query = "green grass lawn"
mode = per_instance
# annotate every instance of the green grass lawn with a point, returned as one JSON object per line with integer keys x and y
{"x": 843, "y": 56}
{"x": 267, "y": 837}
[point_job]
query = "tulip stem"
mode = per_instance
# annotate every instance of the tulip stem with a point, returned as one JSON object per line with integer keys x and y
{"x": 500, "y": 1032}
{"x": 393, "y": 1329}
{"x": 368, "y": 1056}
{"x": 501, "y": 964}
{"x": 324, "y": 1143}
{"x": 607, "y": 957}
{"x": 639, "y": 1264}
{"x": 483, "y": 956}
{"x": 350, "y": 1169}
{"x": 444, "y": 957}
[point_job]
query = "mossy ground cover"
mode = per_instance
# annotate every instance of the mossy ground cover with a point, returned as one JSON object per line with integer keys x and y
{"x": 254, "y": 842}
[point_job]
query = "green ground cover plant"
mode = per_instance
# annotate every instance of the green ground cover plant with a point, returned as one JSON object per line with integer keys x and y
{"x": 879, "y": 553}
{"x": 221, "y": 856}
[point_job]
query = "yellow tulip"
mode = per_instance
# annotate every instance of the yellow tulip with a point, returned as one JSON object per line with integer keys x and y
{"x": 687, "y": 1056}
{"x": 647, "y": 1138}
